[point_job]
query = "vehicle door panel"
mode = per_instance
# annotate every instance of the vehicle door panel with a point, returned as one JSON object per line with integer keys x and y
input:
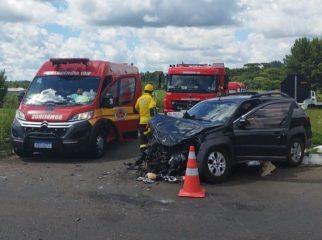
{"x": 264, "y": 133}
{"x": 123, "y": 91}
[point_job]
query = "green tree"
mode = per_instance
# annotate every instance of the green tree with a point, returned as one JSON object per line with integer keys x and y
{"x": 306, "y": 59}
{"x": 156, "y": 78}
{"x": 3, "y": 87}
{"x": 259, "y": 76}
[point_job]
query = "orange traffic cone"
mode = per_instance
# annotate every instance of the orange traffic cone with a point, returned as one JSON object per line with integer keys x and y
{"x": 191, "y": 185}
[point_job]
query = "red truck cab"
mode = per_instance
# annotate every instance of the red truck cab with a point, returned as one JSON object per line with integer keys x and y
{"x": 76, "y": 104}
{"x": 236, "y": 87}
{"x": 188, "y": 84}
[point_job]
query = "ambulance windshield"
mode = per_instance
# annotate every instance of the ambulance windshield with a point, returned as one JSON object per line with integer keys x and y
{"x": 62, "y": 90}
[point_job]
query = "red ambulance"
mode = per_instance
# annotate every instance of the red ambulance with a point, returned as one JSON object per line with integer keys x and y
{"x": 77, "y": 104}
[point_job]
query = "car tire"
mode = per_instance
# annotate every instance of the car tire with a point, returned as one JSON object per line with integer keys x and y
{"x": 23, "y": 153}
{"x": 295, "y": 152}
{"x": 215, "y": 166}
{"x": 98, "y": 144}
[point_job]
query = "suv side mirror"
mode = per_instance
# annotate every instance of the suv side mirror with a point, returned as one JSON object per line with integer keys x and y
{"x": 107, "y": 101}
{"x": 242, "y": 123}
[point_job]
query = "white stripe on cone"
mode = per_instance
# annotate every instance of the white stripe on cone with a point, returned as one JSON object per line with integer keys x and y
{"x": 192, "y": 172}
{"x": 192, "y": 155}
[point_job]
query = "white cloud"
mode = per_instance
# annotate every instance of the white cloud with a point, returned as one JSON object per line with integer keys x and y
{"x": 258, "y": 48}
{"x": 283, "y": 18}
{"x": 153, "y": 34}
{"x": 26, "y": 11}
{"x": 153, "y": 13}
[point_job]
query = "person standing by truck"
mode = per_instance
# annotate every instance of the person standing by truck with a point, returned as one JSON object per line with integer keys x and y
{"x": 146, "y": 107}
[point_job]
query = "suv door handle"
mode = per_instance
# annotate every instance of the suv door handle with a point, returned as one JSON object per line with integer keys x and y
{"x": 278, "y": 134}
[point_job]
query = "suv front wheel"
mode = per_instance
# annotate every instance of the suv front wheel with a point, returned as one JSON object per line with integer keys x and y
{"x": 295, "y": 152}
{"x": 215, "y": 166}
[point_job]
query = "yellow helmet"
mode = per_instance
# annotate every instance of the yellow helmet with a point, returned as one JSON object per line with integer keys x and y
{"x": 149, "y": 88}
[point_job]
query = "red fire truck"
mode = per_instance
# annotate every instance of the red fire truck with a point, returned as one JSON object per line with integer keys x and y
{"x": 188, "y": 84}
{"x": 235, "y": 87}
{"x": 76, "y": 105}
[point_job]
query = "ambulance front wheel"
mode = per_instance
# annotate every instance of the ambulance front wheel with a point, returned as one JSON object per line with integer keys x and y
{"x": 98, "y": 145}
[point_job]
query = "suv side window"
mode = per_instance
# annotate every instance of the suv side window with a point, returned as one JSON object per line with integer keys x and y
{"x": 245, "y": 108}
{"x": 273, "y": 115}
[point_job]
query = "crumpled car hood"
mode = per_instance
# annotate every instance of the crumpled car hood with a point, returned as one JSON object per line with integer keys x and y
{"x": 170, "y": 131}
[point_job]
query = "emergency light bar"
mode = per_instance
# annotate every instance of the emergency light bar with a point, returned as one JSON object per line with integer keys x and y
{"x": 57, "y": 61}
{"x": 198, "y": 65}
{"x": 191, "y": 65}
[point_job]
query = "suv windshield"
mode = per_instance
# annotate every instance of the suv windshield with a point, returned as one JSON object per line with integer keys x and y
{"x": 62, "y": 90}
{"x": 191, "y": 83}
{"x": 212, "y": 111}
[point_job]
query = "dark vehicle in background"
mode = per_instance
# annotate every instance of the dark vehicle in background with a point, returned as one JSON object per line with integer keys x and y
{"x": 299, "y": 88}
{"x": 230, "y": 130}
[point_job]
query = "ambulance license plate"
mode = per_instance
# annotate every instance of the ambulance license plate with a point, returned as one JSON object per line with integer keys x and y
{"x": 43, "y": 145}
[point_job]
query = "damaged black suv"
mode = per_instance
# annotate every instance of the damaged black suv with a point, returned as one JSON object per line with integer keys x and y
{"x": 230, "y": 130}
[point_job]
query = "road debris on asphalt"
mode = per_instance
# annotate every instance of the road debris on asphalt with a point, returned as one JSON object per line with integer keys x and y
{"x": 4, "y": 178}
{"x": 161, "y": 163}
{"x": 152, "y": 177}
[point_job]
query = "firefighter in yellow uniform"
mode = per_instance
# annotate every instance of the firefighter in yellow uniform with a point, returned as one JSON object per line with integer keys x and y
{"x": 146, "y": 107}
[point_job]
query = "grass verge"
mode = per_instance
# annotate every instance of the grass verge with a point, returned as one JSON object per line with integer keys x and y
{"x": 159, "y": 96}
{"x": 316, "y": 125}
{"x": 6, "y": 118}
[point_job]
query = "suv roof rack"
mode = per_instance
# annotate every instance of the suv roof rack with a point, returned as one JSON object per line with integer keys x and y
{"x": 57, "y": 61}
{"x": 271, "y": 94}
{"x": 242, "y": 93}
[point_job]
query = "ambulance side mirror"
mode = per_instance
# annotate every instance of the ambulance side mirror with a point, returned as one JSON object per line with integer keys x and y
{"x": 107, "y": 101}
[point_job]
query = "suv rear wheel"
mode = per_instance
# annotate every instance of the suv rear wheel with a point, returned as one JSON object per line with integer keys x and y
{"x": 295, "y": 152}
{"x": 215, "y": 166}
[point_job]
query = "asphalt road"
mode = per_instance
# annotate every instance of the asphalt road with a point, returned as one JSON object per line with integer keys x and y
{"x": 55, "y": 197}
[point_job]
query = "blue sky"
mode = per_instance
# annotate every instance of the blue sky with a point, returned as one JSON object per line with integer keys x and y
{"x": 152, "y": 33}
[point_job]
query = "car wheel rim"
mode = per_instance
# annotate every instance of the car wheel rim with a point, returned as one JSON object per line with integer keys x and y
{"x": 216, "y": 163}
{"x": 99, "y": 144}
{"x": 296, "y": 152}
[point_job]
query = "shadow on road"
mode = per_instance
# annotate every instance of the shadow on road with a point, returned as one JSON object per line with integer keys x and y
{"x": 243, "y": 174}
{"x": 114, "y": 152}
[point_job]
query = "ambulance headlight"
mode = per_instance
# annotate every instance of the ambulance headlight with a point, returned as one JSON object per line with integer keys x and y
{"x": 20, "y": 115}
{"x": 82, "y": 116}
